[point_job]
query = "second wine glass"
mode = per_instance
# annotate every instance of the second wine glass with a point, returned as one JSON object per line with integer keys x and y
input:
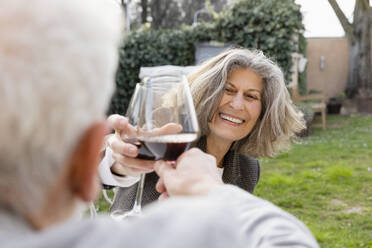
{"x": 164, "y": 123}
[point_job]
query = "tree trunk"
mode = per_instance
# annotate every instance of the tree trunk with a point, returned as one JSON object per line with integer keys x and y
{"x": 144, "y": 5}
{"x": 359, "y": 79}
{"x": 365, "y": 54}
{"x": 359, "y": 37}
{"x": 157, "y": 14}
{"x": 352, "y": 80}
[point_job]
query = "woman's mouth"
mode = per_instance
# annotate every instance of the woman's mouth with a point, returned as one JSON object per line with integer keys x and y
{"x": 231, "y": 119}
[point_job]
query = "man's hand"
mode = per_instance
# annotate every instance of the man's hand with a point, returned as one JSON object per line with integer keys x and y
{"x": 195, "y": 173}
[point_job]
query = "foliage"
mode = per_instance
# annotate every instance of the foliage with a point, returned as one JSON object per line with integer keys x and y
{"x": 337, "y": 99}
{"x": 308, "y": 112}
{"x": 148, "y": 48}
{"x": 269, "y": 25}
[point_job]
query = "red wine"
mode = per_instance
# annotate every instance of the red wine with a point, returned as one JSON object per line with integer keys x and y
{"x": 143, "y": 152}
{"x": 167, "y": 147}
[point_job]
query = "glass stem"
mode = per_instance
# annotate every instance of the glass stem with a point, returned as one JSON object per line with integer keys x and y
{"x": 138, "y": 200}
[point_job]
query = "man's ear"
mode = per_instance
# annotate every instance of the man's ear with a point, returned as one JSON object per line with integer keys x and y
{"x": 84, "y": 160}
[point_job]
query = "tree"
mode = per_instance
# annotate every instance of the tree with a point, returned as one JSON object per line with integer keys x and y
{"x": 144, "y": 5}
{"x": 358, "y": 33}
{"x": 165, "y": 14}
{"x": 191, "y": 6}
{"x": 172, "y": 13}
{"x": 160, "y": 13}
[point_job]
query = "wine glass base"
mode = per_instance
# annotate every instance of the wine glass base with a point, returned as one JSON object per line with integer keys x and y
{"x": 120, "y": 215}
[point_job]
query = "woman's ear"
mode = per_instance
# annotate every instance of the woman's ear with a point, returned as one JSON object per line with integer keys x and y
{"x": 83, "y": 166}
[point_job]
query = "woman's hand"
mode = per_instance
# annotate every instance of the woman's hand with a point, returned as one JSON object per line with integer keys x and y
{"x": 125, "y": 153}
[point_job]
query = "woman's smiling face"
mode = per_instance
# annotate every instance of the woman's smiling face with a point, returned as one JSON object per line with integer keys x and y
{"x": 240, "y": 106}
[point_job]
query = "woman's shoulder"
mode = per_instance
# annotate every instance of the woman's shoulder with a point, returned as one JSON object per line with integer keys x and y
{"x": 249, "y": 165}
{"x": 245, "y": 159}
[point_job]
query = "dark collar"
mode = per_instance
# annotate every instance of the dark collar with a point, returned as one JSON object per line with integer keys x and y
{"x": 231, "y": 163}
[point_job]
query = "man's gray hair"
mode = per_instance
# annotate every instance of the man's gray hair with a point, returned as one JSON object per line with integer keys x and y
{"x": 57, "y": 65}
{"x": 279, "y": 120}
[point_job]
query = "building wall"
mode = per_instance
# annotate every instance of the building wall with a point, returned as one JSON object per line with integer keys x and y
{"x": 332, "y": 78}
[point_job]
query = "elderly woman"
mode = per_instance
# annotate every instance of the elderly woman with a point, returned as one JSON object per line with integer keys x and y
{"x": 244, "y": 111}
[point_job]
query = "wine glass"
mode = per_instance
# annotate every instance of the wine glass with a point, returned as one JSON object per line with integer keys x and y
{"x": 164, "y": 123}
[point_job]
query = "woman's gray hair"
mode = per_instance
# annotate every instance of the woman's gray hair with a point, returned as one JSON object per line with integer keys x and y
{"x": 279, "y": 120}
{"x": 58, "y": 61}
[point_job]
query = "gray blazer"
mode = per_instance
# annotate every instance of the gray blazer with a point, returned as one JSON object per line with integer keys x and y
{"x": 239, "y": 170}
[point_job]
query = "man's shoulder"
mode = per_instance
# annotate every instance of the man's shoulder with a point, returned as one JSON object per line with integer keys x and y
{"x": 72, "y": 233}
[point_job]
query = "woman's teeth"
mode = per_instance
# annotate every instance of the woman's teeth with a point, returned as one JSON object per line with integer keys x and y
{"x": 229, "y": 118}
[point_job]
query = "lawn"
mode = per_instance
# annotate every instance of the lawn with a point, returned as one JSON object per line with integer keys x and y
{"x": 326, "y": 181}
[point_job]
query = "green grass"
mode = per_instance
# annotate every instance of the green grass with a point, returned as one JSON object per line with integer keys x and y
{"x": 326, "y": 181}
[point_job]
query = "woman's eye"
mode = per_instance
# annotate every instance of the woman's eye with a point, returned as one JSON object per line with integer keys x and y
{"x": 252, "y": 97}
{"x": 229, "y": 90}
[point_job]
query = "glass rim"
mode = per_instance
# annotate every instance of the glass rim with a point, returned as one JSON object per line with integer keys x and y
{"x": 163, "y": 79}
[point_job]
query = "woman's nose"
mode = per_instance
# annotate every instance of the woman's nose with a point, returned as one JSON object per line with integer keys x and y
{"x": 237, "y": 102}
